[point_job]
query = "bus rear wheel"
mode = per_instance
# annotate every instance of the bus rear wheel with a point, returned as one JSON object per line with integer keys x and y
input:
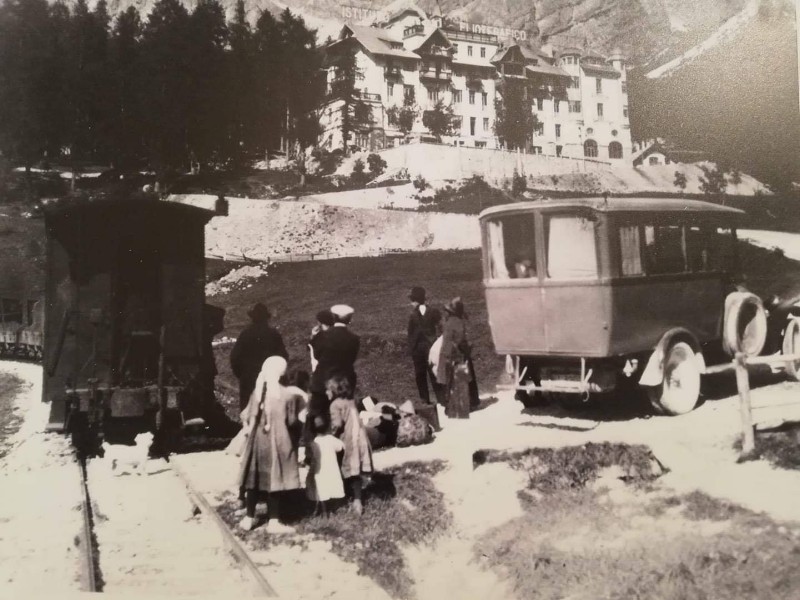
{"x": 680, "y": 388}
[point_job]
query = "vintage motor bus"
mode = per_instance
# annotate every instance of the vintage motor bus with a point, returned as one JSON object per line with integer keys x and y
{"x": 593, "y": 295}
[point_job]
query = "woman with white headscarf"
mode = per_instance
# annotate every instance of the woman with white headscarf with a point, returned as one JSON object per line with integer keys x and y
{"x": 269, "y": 460}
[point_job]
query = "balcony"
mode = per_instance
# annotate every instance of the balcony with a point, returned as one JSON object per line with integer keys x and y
{"x": 468, "y": 36}
{"x": 413, "y": 30}
{"x": 393, "y": 73}
{"x": 367, "y": 96}
{"x": 474, "y": 80}
{"x": 434, "y": 75}
{"x": 437, "y": 51}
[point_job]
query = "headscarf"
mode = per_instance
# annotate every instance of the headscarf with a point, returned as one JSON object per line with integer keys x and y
{"x": 271, "y": 372}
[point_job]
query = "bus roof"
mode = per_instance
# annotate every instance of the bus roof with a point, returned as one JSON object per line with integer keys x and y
{"x": 600, "y": 204}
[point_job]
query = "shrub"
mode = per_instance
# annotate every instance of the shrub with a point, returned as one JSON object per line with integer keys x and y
{"x": 680, "y": 180}
{"x": 518, "y": 184}
{"x": 376, "y": 164}
{"x": 420, "y": 183}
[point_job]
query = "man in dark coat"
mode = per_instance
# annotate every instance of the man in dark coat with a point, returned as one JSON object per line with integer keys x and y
{"x": 256, "y": 343}
{"x": 336, "y": 350}
{"x": 421, "y": 335}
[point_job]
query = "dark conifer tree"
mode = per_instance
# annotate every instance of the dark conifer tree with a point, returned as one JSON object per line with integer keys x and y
{"x": 208, "y": 36}
{"x": 166, "y": 86}
{"x": 126, "y": 90}
{"x": 240, "y": 99}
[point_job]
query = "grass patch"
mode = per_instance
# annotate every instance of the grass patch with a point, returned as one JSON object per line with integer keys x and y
{"x": 574, "y": 467}
{"x": 578, "y": 542}
{"x": 781, "y": 448}
{"x": 10, "y": 421}
{"x": 402, "y": 507}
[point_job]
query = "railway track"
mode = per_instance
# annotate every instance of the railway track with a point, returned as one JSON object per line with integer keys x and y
{"x": 159, "y": 534}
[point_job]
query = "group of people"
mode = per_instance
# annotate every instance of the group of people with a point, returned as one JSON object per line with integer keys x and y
{"x": 281, "y": 413}
{"x": 441, "y": 352}
{"x": 277, "y": 414}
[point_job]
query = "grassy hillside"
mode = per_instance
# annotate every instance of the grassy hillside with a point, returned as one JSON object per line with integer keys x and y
{"x": 378, "y": 289}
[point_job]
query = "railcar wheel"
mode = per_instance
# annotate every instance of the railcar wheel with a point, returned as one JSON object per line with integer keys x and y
{"x": 791, "y": 345}
{"x": 680, "y": 388}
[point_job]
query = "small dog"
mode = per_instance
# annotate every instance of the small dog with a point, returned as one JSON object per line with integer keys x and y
{"x": 132, "y": 457}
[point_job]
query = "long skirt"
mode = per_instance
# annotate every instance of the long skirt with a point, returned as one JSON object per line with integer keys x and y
{"x": 458, "y": 391}
{"x": 264, "y": 468}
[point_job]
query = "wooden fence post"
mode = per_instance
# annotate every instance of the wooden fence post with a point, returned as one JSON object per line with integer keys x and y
{"x": 743, "y": 384}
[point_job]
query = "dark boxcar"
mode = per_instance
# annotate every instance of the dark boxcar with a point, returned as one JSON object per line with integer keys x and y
{"x": 127, "y": 333}
{"x": 589, "y": 294}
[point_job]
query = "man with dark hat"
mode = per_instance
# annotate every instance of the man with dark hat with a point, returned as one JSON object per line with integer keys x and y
{"x": 421, "y": 335}
{"x": 336, "y": 349}
{"x": 256, "y": 343}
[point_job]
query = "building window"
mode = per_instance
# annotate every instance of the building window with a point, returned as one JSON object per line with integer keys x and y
{"x": 389, "y": 91}
{"x": 558, "y": 131}
{"x": 625, "y": 111}
{"x": 569, "y": 60}
{"x": 537, "y": 149}
{"x": 575, "y": 107}
{"x": 471, "y": 97}
{"x": 653, "y": 160}
{"x": 590, "y": 149}
{"x": 469, "y": 50}
{"x": 558, "y": 150}
{"x": 599, "y": 110}
{"x": 472, "y": 125}
{"x": 483, "y": 52}
{"x": 408, "y": 93}
{"x": 599, "y": 85}
{"x": 484, "y": 99}
{"x": 457, "y": 96}
{"x": 458, "y": 121}
{"x": 555, "y": 105}
{"x": 480, "y": 144}
{"x": 433, "y": 94}
{"x": 574, "y": 82}
{"x": 615, "y": 150}
{"x": 455, "y": 48}
{"x": 539, "y": 129}
{"x": 540, "y": 104}
{"x": 624, "y": 87}
{"x": 486, "y": 124}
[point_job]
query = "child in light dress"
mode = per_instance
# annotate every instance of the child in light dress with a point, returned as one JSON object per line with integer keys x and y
{"x": 347, "y": 425}
{"x": 324, "y": 482}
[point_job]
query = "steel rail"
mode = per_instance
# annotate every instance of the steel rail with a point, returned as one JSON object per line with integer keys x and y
{"x": 89, "y": 559}
{"x": 230, "y": 539}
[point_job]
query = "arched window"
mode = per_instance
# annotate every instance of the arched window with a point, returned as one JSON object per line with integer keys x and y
{"x": 590, "y": 149}
{"x": 615, "y": 150}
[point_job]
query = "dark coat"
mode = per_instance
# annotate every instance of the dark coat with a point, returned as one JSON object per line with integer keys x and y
{"x": 256, "y": 343}
{"x": 336, "y": 350}
{"x": 421, "y": 333}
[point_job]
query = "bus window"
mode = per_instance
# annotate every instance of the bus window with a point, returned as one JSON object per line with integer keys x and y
{"x": 571, "y": 248}
{"x": 512, "y": 250}
{"x": 664, "y": 249}
{"x": 630, "y": 250}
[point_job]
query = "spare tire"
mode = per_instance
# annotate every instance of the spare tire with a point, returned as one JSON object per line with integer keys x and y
{"x": 744, "y": 327}
{"x": 791, "y": 345}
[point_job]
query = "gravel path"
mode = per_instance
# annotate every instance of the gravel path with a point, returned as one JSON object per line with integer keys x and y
{"x": 40, "y": 516}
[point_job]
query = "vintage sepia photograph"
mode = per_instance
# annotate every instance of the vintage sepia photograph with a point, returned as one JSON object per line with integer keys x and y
{"x": 400, "y": 300}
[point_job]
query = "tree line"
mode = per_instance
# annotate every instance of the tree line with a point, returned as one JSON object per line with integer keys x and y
{"x": 171, "y": 91}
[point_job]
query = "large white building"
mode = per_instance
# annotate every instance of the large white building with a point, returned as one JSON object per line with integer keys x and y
{"x": 579, "y": 98}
